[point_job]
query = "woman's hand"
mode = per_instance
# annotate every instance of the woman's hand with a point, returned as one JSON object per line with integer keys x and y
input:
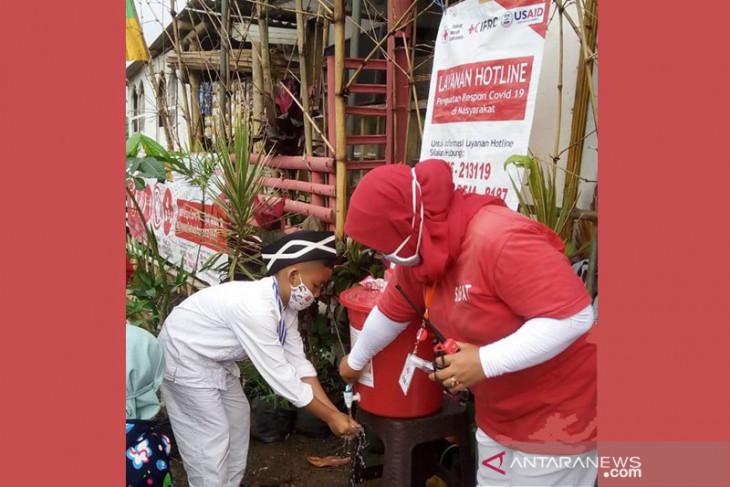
{"x": 461, "y": 369}
{"x": 347, "y": 373}
{"x": 343, "y": 425}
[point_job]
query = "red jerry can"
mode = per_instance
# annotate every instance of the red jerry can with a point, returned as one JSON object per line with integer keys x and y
{"x": 379, "y": 389}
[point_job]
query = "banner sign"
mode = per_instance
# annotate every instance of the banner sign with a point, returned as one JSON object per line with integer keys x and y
{"x": 188, "y": 230}
{"x": 483, "y": 88}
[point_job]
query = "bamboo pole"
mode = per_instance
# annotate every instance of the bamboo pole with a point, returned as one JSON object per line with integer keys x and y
{"x": 580, "y": 114}
{"x": 355, "y": 18}
{"x": 397, "y": 26}
{"x": 162, "y": 107}
{"x": 224, "y": 72}
{"x": 413, "y": 91}
{"x": 258, "y": 98}
{"x": 591, "y": 280}
{"x": 560, "y": 94}
{"x": 315, "y": 58}
{"x": 578, "y": 32}
{"x": 341, "y": 141}
{"x": 304, "y": 80}
{"x": 320, "y": 63}
{"x": 411, "y": 64}
{"x": 268, "y": 87}
{"x": 176, "y": 45}
{"x": 197, "y": 122}
{"x": 587, "y": 57}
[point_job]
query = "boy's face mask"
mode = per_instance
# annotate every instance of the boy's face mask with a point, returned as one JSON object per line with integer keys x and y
{"x": 301, "y": 297}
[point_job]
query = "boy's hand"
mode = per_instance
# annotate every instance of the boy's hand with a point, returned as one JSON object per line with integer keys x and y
{"x": 343, "y": 425}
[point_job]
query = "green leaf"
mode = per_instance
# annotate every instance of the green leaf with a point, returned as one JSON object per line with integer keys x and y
{"x": 151, "y": 168}
{"x": 133, "y": 145}
{"x": 132, "y": 165}
{"x": 153, "y": 149}
{"x": 139, "y": 184}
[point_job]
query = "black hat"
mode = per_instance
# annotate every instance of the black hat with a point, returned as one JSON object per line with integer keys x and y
{"x": 301, "y": 246}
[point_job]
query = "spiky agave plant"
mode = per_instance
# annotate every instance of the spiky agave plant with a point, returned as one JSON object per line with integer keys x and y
{"x": 544, "y": 205}
{"x": 239, "y": 182}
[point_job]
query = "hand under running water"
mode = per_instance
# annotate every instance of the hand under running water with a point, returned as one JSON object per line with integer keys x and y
{"x": 343, "y": 425}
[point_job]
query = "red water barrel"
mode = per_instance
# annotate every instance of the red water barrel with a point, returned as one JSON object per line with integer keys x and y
{"x": 380, "y": 392}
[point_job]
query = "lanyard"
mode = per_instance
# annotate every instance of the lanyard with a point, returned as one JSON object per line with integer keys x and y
{"x": 422, "y": 332}
{"x": 281, "y": 328}
{"x": 429, "y": 299}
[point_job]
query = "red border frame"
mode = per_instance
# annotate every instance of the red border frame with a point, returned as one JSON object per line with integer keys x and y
{"x": 665, "y": 267}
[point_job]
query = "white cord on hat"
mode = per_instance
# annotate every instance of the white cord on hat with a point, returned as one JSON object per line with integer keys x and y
{"x": 308, "y": 247}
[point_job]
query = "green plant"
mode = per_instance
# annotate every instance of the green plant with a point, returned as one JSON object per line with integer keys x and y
{"x": 151, "y": 294}
{"x": 156, "y": 283}
{"x": 540, "y": 200}
{"x": 151, "y": 165}
{"x": 255, "y": 386}
{"x": 239, "y": 184}
{"x": 359, "y": 262}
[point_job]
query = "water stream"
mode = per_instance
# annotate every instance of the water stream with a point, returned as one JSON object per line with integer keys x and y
{"x": 354, "y": 448}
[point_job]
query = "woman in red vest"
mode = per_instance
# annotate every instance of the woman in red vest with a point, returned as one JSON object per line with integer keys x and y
{"x": 500, "y": 285}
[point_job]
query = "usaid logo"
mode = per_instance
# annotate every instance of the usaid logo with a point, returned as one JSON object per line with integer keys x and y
{"x": 529, "y": 15}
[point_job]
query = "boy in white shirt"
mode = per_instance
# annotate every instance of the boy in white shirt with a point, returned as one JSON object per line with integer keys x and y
{"x": 207, "y": 333}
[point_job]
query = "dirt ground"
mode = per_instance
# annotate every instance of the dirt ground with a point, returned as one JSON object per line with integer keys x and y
{"x": 284, "y": 464}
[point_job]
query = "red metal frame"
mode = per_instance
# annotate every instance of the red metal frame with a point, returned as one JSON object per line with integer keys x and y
{"x": 395, "y": 112}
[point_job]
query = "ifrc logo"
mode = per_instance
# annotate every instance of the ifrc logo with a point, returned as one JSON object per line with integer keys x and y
{"x": 484, "y": 25}
{"x": 487, "y": 463}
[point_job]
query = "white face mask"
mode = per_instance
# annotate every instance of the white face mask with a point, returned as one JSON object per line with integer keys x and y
{"x": 301, "y": 297}
{"x": 414, "y": 259}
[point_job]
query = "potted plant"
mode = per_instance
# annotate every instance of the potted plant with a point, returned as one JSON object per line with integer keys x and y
{"x": 272, "y": 417}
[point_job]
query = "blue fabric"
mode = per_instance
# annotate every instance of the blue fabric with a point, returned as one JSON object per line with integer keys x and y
{"x": 281, "y": 328}
{"x": 148, "y": 455}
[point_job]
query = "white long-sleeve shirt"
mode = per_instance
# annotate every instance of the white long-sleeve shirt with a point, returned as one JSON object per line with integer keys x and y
{"x": 537, "y": 341}
{"x": 207, "y": 333}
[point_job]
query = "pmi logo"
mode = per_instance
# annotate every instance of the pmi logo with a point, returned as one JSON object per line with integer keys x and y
{"x": 500, "y": 456}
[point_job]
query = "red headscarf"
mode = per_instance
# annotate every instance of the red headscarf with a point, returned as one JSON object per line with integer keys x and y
{"x": 381, "y": 213}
